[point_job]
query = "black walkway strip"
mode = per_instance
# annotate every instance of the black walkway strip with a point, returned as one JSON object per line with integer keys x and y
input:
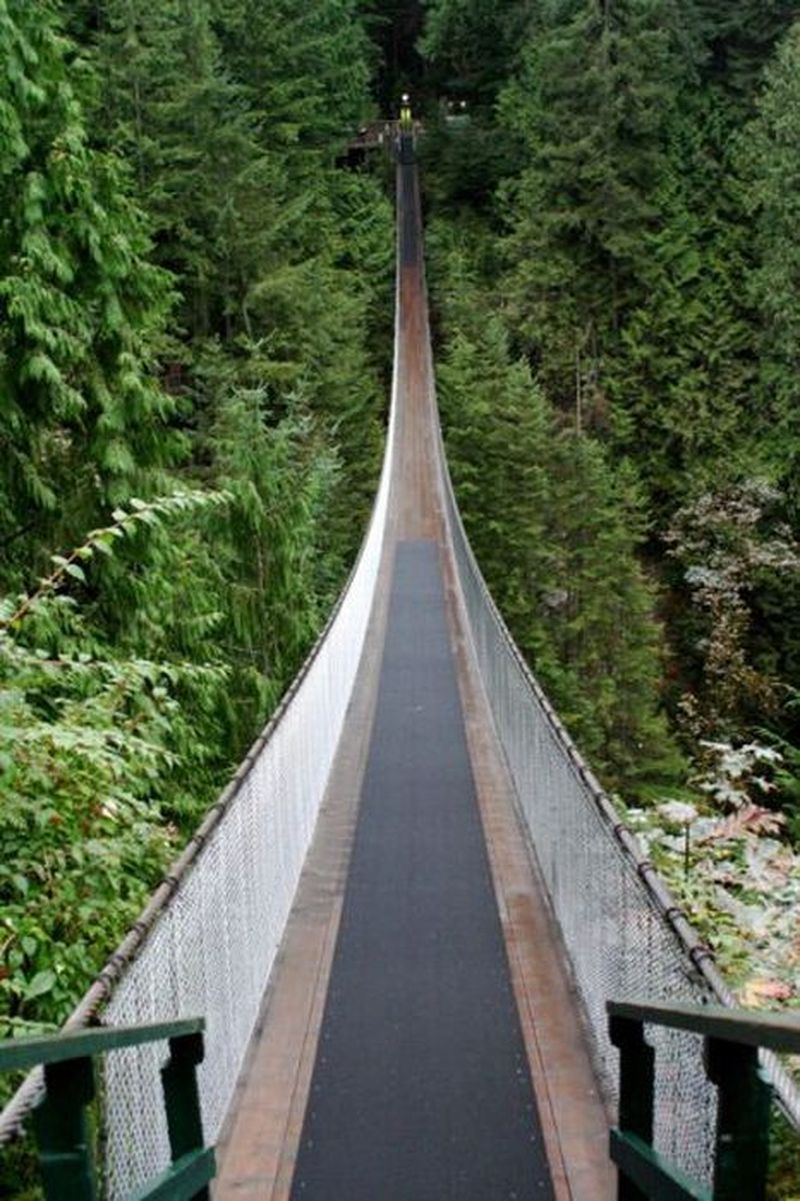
{"x": 421, "y": 1089}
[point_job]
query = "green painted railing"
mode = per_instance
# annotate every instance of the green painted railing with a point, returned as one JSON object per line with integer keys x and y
{"x": 66, "y": 1160}
{"x": 732, "y": 1041}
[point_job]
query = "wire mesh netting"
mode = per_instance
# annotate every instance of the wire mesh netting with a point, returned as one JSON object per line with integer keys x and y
{"x": 619, "y": 943}
{"x": 212, "y": 950}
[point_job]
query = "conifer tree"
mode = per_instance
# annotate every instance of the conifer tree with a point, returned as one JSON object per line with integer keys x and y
{"x": 739, "y": 40}
{"x": 231, "y": 113}
{"x": 472, "y": 46}
{"x": 681, "y": 376}
{"x": 170, "y": 106}
{"x": 768, "y": 156}
{"x": 81, "y": 307}
{"x": 556, "y": 533}
{"x": 590, "y": 105}
{"x": 306, "y": 68}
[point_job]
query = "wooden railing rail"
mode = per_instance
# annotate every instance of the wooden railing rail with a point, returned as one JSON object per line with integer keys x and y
{"x": 61, "y": 1128}
{"x": 732, "y": 1041}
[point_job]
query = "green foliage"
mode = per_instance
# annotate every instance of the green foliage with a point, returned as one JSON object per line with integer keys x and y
{"x": 89, "y": 743}
{"x": 786, "y": 775}
{"x": 168, "y": 104}
{"x": 590, "y": 103}
{"x": 769, "y": 161}
{"x": 315, "y": 94}
{"x": 464, "y": 158}
{"x": 629, "y": 244}
{"x": 784, "y": 1159}
{"x": 556, "y": 532}
{"x": 739, "y": 39}
{"x": 605, "y": 634}
{"x": 681, "y": 375}
{"x": 726, "y": 541}
{"x": 471, "y": 46}
{"x": 81, "y": 307}
{"x": 230, "y": 114}
{"x": 278, "y": 577}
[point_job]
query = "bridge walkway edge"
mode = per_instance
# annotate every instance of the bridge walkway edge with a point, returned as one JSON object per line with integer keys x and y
{"x": 260, "y": 1142}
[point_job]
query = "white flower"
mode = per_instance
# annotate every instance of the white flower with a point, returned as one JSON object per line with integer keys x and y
{"x": 678, "y": 812}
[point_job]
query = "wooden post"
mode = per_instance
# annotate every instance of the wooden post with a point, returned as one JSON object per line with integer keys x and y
{"x": 182, "y": 1100}
{"x": 636, "y": 1069}
{"x": 742, "y": 1151}
{"x": 65, "y": 1156}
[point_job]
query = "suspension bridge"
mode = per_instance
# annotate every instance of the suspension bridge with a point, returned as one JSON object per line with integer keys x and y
{"x": 403, "y": 920}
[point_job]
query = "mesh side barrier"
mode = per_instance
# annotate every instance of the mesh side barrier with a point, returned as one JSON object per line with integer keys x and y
{"x": 618, "y": 934}
{"x": 213, "y": 948}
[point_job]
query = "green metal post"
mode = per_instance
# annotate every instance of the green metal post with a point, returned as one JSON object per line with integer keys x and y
{"x": 65, "y": 1157}
{"x": 182, "y": 1100}
{"x": 636, "y": 1070}
{"x": 743, "y": 1121}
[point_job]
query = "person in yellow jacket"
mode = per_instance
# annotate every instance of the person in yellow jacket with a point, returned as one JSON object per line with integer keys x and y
{"x": 406, "y": 120}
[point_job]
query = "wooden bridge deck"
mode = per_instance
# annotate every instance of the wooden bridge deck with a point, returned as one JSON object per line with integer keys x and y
{"x": 393, "y": 1062}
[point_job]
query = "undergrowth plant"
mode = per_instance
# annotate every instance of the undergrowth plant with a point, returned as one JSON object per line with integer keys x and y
{"x": 89, "y": 743}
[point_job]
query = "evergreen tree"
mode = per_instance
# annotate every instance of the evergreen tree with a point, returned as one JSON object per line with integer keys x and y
{"x": 590, "y": 105}
{"x": 82, "y": 308}
{"x": 232, "y": 113}
{"x": 601, "y": 620}
{"x": 768, "y": 156}
{"x": 306, "y": 68}
{"x": 556, "y": 532}
{"x": 169, "y": 105}
{"x": 739, "y": 40}
{"x": 472, "y": 46}
{"x": 682, "y": 375}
